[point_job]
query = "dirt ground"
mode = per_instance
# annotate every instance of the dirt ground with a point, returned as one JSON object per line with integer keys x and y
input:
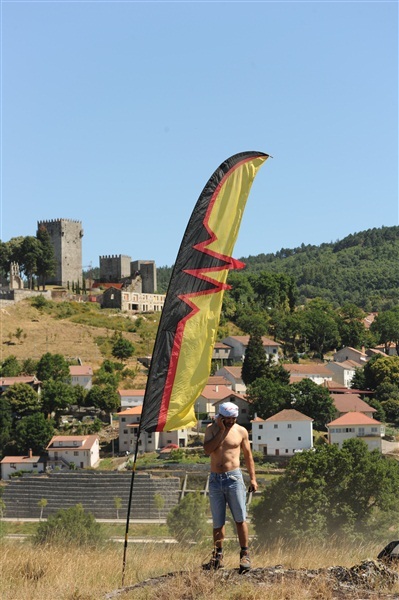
{"x": 43, "y": 333}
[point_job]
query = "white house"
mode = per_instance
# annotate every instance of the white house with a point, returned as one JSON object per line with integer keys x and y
{"x": 348, "y": 353}
{"x": 233, "y": 374}
{"x": 355, "y": 424}
{"x": 130, "y": 398}
{"x": 12, "y": 464}
{"x": 129, "y": 421}
{"x": 343, "y": 372}
{"x": 239, "y": 343}
{"x": 283, "y": 434}
{"x": 211, "y": 394}
{"x": 317, "y": 372}
{"x": 81, "y": 450}
{"x": 81, "y": 375}
{"x": 31, "y": 380}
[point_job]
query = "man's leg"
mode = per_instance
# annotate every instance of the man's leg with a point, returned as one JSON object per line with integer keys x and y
{"x": 218, "y": 537}
{"x": 242, "y": 532}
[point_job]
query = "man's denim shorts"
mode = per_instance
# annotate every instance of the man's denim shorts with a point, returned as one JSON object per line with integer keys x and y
{"x": 227, "y": 488}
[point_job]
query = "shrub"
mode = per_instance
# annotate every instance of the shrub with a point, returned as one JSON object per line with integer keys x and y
{"x": 72, "y": 526}
{"x": 187, "y": 521}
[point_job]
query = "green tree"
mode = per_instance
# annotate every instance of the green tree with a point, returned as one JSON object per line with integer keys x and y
{"x": 46, "y": 263}
{"x": 386, "y": 327}
{"x": 70, "y": 527}
{"x": 159, "y": 503}
{"x": 320, "y": 326}
{"x": 313, "y": 401}
{"x": 42, "y": 505}
{"x": 122, "y": 348}
{"x": 29, "y": 366}
{"x": 56, "y": 397}
{"x": 391, "y": 409}
{"x": 22, "y": 399}
{"x": 5, "y": 424}
{"x": 351, "y": 325}
{"x": 267, "y": 397}
{"x": 187, "y": 521}
{"x": 53, "y": 366}
{"x": 35, "y": 432}
{"x": 255, "y": 360}
{"x": 10, "y": 367}
{"x": 118, "y": 505}
{"x": 104, "y": 398}
{"x": 31, "y": 252}
{"x": 329, "y": 491}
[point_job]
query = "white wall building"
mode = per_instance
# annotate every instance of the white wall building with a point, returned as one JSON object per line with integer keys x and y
{"x": 129, "y": 421}
{"x": 343, "y": 372}
{"x": 282, "y": 434}
{"x": 239, "y": 345}
{"x": 131, "y": 398}
{"x": 81, "y": 450}
{"x": 348, "y": 353}
{"x": 81, "y": 375}
{"x": 357, "y": 425}
{"x": 12, "y": 464}
{"x": 233, "y": 374}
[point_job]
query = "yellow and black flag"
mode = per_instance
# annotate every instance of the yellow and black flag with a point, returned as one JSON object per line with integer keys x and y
{"x": 182, "y": 354}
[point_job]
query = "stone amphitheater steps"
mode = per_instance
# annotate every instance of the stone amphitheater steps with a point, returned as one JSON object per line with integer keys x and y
{"x": 96, "y": 491}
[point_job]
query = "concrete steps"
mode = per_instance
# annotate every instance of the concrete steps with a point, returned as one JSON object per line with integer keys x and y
{"x": 96, "y": 491}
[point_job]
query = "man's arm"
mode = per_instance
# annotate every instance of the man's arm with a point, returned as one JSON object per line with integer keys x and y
{"x": 249, "y": 461}
{"x": 214, "y": 436}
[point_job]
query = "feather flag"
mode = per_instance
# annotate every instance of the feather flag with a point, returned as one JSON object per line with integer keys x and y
{"x": 182, "y": 353}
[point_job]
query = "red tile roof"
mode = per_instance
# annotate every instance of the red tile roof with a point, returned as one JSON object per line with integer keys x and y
{"x": 345, "y": 403}
{"x": 289, "y": 414}
{"x": 135, "y": 410}
{"x": 76, "y": 370}
{"x": 316, "y": 369}
{"x": 354, "y": 418}
{"x": 135, "y": 393}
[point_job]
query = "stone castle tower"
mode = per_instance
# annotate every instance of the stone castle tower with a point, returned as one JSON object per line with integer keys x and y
{"x": 66, "y": 237}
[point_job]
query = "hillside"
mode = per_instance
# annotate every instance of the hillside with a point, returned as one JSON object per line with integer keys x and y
{"x": 362, "y": 268}
{"x": 46, "y": 331}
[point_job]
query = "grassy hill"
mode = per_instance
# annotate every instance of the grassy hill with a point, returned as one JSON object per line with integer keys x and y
{"x": 74, "y": 330}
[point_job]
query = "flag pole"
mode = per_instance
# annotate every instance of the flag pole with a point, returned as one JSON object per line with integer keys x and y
{"x": 129, "y": 506}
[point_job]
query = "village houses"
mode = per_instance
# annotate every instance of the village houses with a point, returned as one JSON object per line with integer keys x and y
{"x": 12, "y": 464}
{"x": 81, "y": 375}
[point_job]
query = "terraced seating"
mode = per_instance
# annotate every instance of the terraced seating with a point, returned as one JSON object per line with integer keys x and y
{"x": 96, "y": 491}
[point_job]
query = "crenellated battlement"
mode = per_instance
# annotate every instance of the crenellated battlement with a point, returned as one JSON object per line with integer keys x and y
{"x": 58, "y": 221}
{"x": 113, "y": 256}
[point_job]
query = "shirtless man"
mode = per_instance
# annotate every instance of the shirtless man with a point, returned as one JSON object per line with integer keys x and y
{"x": 224, "y": 440}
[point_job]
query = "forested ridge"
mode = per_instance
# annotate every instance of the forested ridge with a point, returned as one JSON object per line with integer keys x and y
{"x": 362, "y": 268}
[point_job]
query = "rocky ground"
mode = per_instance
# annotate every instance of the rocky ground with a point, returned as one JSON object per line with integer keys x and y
{"x": 371, "y": 579}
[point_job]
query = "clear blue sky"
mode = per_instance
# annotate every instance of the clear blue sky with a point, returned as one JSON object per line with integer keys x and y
{"x": 117, "y": 113}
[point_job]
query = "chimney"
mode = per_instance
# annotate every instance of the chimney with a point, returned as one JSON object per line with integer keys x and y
{"x": 30, "y": 453}
{"x": 216, "y": 388}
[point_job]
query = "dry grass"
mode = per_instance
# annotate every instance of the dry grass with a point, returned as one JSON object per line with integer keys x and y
{"x": 45, "y": 333}
{"x": 29, "y": 573}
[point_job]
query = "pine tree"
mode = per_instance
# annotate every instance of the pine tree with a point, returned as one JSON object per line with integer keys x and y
{"x": 255, "y": 360}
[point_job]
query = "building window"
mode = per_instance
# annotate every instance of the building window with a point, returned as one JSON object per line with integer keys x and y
{"x": 286, "y": 451}
{"x": 278, "y": 439}
{"x": 299, "y": 438}
{"x": 123, "y": 419}
{"x": 76, "y": 453}
{"x": 374, "y": 429}
{"x": 260, "y": 426}
{"x": 125, "y": 431}
{"x": 275, "y": 426}
{"x": 259, "y": 437}
{"x": 289, "y": 426}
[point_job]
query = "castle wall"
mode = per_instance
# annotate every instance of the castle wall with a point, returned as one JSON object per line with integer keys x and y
{"x": 114, "y": 267}
{"x": 148, "y": 272}
{"x": 66, "y": 238}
